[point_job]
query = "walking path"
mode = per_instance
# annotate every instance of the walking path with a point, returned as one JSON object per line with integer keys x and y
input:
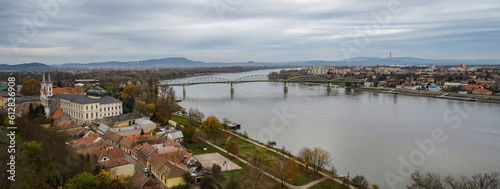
{"x": 290, "y": 186}
{"x": 322, "y": 173}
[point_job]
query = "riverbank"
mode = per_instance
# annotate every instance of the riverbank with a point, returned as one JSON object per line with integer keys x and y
{"x": 250, "y": 148}
{"x": 426, "y": 93}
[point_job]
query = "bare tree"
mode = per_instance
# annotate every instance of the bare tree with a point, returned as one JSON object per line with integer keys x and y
{"x": 270, "y": 144}
{"x": 434, "y": 181}
{"x": 360, "y": 181}
{"x": 334, "y": 171}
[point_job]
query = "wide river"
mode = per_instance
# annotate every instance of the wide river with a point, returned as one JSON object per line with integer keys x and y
{"x": 381, "y": 136}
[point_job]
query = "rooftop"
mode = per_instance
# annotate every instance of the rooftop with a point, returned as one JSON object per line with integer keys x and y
{"x": 82, "y": 99}
{"x": 119, "y": 118}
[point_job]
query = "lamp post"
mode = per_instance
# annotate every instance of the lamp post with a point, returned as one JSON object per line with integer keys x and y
{"x": 225, "y": 163}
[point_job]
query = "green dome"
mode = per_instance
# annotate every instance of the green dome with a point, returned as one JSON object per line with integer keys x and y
{"x": 96, "y": 91}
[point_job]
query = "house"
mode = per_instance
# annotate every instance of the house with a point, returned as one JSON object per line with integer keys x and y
{"x": 90, "y": 148}
{"x": 140, "y": 137}
{"x": 91, "y": 138}
{"x": 143, "y": 182}
{"x": 472, "y": 87}
{"x": 434, "y": 87}
{"x": 60, "y": 116}
{"x": 178, "y": 154}
{"x": 452, "y": 85}
{"x": 61, "y": 125}
{"x": 103, "y": 128}
{"x": 144, "y": 152}
{"x": 127, "y": 145}
{"x": 175, "y": 135}
{"x": 112, "y": 138}
{"x": 146, "y": 124}
{"x": 133, "y": 130}
{"x": 115, "y": 161}
{"x": 482, "y": 91}
{"x": 168, "y": 173}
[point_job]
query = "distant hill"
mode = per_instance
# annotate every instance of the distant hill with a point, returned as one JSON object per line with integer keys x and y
{"x": 25, "y": 67}
{"x": 178, "y": 62}
{"x": 175, "y": 62}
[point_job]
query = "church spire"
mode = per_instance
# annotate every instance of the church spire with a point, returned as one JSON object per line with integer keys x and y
{"x": 49, "y": 81}
{"x": 43, "y": 77}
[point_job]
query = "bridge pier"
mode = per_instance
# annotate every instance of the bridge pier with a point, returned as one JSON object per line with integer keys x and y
{"x": 232, "y": 88}
{"x": 184, "y": 89}
{"x": 285, "y": 86}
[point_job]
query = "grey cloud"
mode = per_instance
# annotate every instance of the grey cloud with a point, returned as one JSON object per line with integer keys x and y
{"x": 89, "y": 31}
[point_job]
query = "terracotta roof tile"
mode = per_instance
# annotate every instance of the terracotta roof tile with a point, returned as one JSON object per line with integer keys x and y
{"x": 482, "y": 91}
{"x": 113, "y": 154}
{"x": 115, "y": 162}
{"x": 112, "y": 136}
{"x": 57, "y": 114}
{"x": 92, "y": 137}
{"x": 165, "y": 167}
{"x": 126, "y": 142}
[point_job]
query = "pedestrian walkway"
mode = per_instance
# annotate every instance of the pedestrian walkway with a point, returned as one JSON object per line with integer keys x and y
{"x": 290, "y": 186}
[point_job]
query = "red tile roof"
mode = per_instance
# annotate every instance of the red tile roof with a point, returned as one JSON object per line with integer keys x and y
{"x": 472, "y": 86}
{"x": 481, "y": 91}
{"x": 57, "y": 114}
{"x": 115, "y": 162}
{"x": 112, "y": 154}
{"x": 92, "y": 137}
{"x": 147, "y": 182}
{"x": 165, "y": 167}
{"x": 64, "y": 124}
{"x": 145, "y": 150}
{"x": 178, "y": 157}
{"x": 140, "y": 137}
{"x": 112, "y": 136}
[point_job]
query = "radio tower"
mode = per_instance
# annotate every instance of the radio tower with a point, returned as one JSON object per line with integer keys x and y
{"x": 390, "y": 58}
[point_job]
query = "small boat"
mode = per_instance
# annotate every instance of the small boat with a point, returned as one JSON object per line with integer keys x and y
{"x": 233, "y": 125}
{"x": 454, "y": 98}
{"x": 388, "y": 92}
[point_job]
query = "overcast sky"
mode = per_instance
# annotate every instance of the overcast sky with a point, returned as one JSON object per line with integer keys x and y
{"x": 243, "y": 30}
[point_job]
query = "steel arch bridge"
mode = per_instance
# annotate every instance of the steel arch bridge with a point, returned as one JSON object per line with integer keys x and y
{"x": 263, "y": 78}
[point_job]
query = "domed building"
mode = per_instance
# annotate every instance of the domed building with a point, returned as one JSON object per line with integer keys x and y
{"x": 84, "y": 108}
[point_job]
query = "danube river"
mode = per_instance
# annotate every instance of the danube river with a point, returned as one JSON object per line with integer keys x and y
{"x": 376, "y": 135}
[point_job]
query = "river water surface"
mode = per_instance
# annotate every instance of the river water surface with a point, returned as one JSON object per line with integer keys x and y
{"x": 367, "y": 133}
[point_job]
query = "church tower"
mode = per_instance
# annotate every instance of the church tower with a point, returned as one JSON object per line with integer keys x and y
{"x": 49, "y": 86}
{"x": 46, "y": 90}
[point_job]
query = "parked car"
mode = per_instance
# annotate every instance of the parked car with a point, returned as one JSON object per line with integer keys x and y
{"x": 146, "y": 170}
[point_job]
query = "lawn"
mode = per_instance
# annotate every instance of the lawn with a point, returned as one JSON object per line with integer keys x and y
{"x": 248, "y": 150}
{"x": 327, "y": 184}
{"x": 210, "y": 149}
{"x": 182, "y": 120}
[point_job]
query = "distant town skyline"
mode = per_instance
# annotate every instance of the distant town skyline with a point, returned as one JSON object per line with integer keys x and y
{"x": 68, "y": 31}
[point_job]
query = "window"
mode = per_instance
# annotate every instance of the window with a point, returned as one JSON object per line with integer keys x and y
{"x": 87, "y": 115}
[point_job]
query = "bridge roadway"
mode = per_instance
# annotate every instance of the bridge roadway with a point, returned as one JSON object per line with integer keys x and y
{"x": 263, "y": 78}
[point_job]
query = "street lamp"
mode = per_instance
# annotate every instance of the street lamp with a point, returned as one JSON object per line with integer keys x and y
{"x": 225, "y": 163}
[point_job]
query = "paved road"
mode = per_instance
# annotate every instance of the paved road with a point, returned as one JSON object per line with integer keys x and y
{"x": 137, "y": 165}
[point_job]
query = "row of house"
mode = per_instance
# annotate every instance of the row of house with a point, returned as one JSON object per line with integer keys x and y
{"x": 168, "y": 161}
